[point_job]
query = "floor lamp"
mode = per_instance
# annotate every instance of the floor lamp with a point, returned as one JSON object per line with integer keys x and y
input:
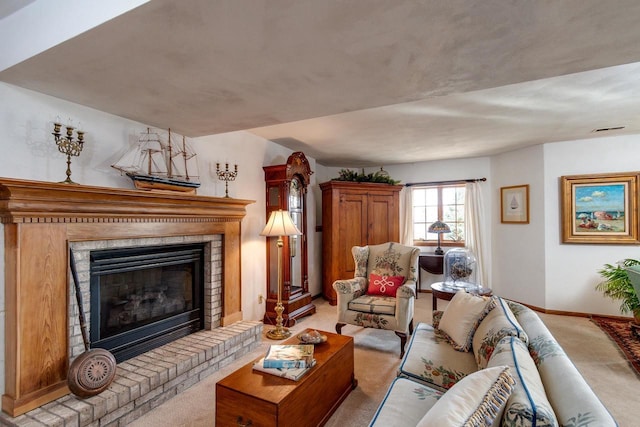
{"x": 279, "y": 225}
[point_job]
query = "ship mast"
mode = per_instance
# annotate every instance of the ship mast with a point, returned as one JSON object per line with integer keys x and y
{"x": 169, "y": 165}
{"x": 184, "y": 157}
{"x": 149, "y": 166}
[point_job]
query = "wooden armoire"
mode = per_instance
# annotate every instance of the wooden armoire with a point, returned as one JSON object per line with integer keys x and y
{"x": 354, "y": 214}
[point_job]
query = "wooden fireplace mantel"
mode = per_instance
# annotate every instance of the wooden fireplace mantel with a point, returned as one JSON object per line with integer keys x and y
{"x": 40, "y": 219}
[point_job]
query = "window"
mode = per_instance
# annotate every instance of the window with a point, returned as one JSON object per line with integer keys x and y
{"x": 438, "y": 202}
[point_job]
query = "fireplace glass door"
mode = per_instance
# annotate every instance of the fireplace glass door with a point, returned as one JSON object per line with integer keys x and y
{"x": 144, "y": 297}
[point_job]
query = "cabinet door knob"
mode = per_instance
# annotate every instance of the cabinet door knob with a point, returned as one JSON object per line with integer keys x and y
{"x": 241, "y": 422}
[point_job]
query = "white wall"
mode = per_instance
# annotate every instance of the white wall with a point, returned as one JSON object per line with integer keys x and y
{"x": 571, "y": 273}
{"x": 29, "y": 151}
{"x": 518, "y": 249}
{"x": 530, "y": 262}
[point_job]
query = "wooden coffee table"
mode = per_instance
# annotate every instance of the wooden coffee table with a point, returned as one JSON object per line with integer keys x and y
{"x": 440, "y": 291}
{"x": 252, "y": 398}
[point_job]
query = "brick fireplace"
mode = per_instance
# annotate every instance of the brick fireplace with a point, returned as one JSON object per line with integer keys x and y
{"x": 42, "y": 220}
{"x": 138, "y": 307}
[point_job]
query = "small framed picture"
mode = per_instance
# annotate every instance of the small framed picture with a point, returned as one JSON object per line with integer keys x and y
{"x": 514, "y": 204}
{"x": 600, "y": 208}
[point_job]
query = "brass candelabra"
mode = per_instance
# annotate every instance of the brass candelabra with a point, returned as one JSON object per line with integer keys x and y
{"x": 68, "y": 145}
{"x": 226, "y": 175}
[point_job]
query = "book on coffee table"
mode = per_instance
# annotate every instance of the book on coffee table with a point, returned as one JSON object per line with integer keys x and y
{"x": 290, "y": 373}
{"x": 289, "y": 356}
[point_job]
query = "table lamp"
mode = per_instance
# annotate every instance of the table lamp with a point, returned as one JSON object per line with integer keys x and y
{"x": 439, "y": 227}
{"x": 279, "y": 225}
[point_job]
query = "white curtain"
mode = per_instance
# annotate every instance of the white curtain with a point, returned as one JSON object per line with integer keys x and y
{"x": 473, "y": 220}
{"x": 406, "y": 215}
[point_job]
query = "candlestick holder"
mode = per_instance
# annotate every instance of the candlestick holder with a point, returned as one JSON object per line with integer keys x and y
{"x": 226, "y": 175}
{"x": 68, "y": 145}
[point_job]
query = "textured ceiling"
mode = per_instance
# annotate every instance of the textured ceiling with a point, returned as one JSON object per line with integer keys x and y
{"x": 360, "y": 82}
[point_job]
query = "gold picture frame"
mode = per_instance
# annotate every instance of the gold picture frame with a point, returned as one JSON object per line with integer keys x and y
{"x": 514, "y": 204}
{"x": 600, "y": 208}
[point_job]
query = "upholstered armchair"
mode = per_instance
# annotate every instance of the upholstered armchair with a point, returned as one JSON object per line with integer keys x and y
{"x": 382, "y": 292}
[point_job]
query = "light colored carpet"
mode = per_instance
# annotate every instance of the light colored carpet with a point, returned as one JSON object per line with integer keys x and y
{"x": 377, "y": 359}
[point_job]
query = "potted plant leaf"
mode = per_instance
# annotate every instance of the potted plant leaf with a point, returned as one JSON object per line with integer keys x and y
{"x": 381, "y": 176}
{"x": 618, "y": 285}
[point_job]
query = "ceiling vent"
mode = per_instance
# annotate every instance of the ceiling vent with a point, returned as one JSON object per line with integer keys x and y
{"x": 608, "y": 129}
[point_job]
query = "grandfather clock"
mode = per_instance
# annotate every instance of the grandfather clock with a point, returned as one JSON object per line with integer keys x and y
{"x": 286, "y": 187}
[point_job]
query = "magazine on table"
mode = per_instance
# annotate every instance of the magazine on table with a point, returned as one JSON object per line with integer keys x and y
{"x": 289, "y": 356}
{"x": 289, "y": 373}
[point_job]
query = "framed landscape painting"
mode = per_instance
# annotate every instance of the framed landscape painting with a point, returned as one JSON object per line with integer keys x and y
{"x": 514, "y": 204}
{"x": 600, "y": 208}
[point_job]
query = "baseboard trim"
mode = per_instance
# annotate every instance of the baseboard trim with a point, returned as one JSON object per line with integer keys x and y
{"x": 572, "y": 313}
{"x": 562, "y": 312}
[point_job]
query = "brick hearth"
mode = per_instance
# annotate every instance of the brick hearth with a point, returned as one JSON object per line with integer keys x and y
{"x": 146, "y": 381}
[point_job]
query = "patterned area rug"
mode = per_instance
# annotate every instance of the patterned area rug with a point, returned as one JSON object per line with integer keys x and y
{"x": 621, "y": 333}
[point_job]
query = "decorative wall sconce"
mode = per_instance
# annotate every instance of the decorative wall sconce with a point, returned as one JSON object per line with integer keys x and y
{"x": 226, "y": 176}
{"x": 68, "y": 145}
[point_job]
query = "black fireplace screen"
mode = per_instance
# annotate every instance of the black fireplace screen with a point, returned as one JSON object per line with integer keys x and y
{"x": 144, "y": 297}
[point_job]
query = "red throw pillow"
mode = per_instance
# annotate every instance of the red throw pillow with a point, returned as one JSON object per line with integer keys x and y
{"x": 384, "y": 285}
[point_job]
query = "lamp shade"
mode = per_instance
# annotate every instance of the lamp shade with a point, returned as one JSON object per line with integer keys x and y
{"x": 439, "y": 227}
{"x": 280, "y": 224}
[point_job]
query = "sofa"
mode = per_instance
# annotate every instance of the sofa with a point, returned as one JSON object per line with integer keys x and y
{"x": 488, "y": 361}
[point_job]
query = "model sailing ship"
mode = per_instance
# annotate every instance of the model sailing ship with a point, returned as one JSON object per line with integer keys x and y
{"x": 154, "y": 164}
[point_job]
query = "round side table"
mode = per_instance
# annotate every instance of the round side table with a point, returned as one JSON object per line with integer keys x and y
{"x": 439, "y": 290}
